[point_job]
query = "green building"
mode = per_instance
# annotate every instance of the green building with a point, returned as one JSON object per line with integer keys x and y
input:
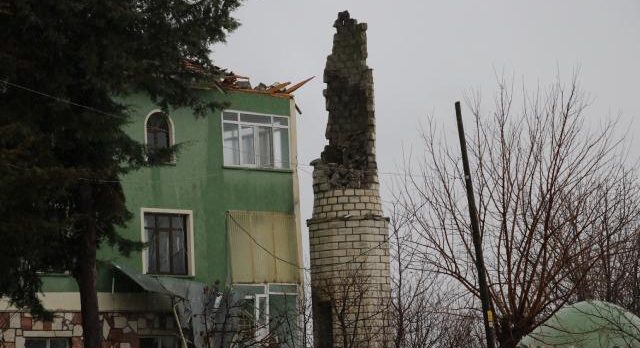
{"x": 222, "y": 223}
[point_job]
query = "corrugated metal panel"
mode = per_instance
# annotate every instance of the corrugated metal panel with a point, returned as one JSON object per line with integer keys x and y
{"x": 250, "y": 233}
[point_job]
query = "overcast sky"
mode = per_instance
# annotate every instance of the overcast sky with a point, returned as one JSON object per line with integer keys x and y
{"x": 426, "y": 55}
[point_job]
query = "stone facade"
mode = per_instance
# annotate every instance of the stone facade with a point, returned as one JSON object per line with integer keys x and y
{"x": 119, "y": 329}
{"x": 348, "y": 233}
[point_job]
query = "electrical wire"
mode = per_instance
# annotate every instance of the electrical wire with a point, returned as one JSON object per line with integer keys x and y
{"x": 297, "y": 165}
{"x": 60, "y": 100}
{"x": 295, "y": 265}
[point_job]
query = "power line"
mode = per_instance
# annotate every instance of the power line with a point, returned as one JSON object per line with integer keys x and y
{"x": 90, "y": 108}
{"x": 353, "y": 259}
{"x": 60, "y": 100}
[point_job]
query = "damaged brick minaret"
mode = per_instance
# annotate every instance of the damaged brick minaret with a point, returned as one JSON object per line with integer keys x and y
{"x": 348, "y": 233}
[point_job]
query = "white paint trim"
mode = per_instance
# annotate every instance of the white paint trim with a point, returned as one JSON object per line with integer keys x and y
{"x": 254, "y": 113}
{"x": 293, "y": 153}
{"x": 172, "y": 135}
{"x": 191, "y": 264}
{"x": 107, "y": 302}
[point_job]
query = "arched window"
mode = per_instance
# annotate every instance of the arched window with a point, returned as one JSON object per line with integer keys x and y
{"x": 158, "y": 131}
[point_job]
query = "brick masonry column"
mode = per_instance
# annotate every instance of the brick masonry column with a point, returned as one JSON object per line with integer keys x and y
{"x": 348, "y": 233}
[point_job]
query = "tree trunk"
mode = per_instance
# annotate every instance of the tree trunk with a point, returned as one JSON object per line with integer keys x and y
{"x": 509, "y": 338}
{"x": 85, "y": 275}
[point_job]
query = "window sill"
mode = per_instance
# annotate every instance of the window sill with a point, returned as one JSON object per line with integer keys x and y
{"x": 259, "y": 169}
{"x": 185, "y": 276}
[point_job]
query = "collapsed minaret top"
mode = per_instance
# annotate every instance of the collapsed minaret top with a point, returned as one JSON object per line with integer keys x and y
{"x": 349, "y": 159}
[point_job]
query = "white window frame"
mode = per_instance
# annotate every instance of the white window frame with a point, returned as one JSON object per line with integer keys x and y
{"x": 271, "y": 125}
{"x": 262, "y": 332}
{"x": 191, "y": 266}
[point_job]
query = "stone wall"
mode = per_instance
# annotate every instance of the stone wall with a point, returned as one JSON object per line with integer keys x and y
{"x": 119, "y": 329}
{"x": 348, "y": 233}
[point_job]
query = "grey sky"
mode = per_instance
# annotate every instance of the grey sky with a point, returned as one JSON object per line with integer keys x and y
{"x": 426, "y": 54}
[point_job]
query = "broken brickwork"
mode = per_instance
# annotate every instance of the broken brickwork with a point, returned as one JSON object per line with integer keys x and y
{"x": 350, "y": 155}
{"x": 348, "y": 233}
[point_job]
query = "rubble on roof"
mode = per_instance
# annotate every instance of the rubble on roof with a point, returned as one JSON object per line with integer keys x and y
{"x": 238, "y": 82}
{"x": 231, "y": 81}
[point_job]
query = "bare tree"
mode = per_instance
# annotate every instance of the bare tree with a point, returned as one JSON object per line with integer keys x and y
{"x": 425, "y": 311}
{"x": 615, "y": 275}
{"x": 539, "y": 171}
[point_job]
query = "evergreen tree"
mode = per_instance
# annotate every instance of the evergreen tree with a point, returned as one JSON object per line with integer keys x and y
{"x": 62, "y": 147}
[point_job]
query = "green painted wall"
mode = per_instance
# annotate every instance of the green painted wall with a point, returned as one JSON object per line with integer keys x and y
{"x": 198, "y": 182}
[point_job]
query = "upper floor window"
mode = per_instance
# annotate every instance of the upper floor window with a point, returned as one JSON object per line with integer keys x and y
{"x": 167, "y": 237}
{"x": 159, "y": 136}
{"x": 158, "y": 131}
{"x": 253, "y": 140}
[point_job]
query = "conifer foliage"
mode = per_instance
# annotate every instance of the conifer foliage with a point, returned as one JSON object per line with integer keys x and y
{"x": 63, "y": 67}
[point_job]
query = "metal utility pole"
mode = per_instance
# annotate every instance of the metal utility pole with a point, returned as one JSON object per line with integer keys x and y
{"x": 487, "y": 307}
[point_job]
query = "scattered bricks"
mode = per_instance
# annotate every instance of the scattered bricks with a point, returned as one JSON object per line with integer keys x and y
{"x": 77, "y": 319}
{"x": 37, "y": 325}
{"x": 5, "y": 320}
{"x": 14, "y": 320}
{"x": 77, "y": 331}
{"x": 9, "y": 335}
{"x": 57, "y": 323}
{"x": 25, "y": 323}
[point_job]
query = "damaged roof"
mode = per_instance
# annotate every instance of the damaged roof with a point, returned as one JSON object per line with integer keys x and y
{"x": 236, "y": 82}
{"x": 228, "y": 80}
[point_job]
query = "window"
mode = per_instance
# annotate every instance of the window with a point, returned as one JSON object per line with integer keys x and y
{"x": 159, "y": 137}
{"x": 158, "y": 131}
{"x": 275, "y": 233}
{"x": 253, "y": 323}
{"x": 166, "y": 235}
{"x": 159, "y": 342}
{"x": 266, "y": 311}
{"x": 252, "y": 140}
{"x": 46, "y": 343}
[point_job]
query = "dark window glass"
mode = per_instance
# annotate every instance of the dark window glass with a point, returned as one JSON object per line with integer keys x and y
{"x": 46, "y": 343}
{"x": 167, "y": 238}
{"x": 159, "y": 136}
{"x": 159, "y": 342}
{"x": 35, "y": 343}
